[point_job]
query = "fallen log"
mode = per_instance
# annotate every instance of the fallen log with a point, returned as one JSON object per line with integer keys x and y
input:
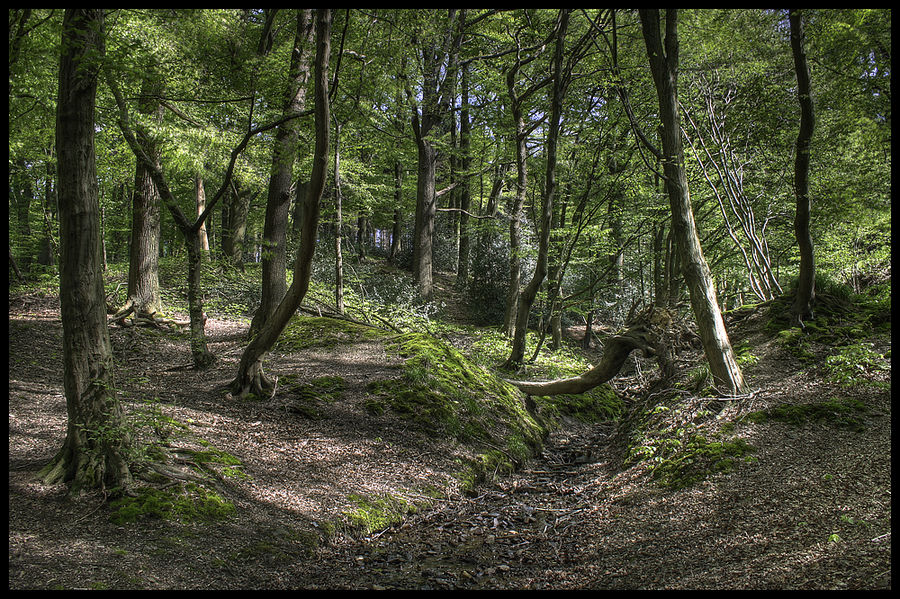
{"x": 615, "y": 352}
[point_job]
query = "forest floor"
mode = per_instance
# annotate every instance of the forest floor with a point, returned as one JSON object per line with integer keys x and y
{"x": 810, "y": 510}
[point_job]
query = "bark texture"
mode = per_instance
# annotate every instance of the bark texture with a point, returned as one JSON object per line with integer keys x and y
{"x": 250, "y": 379}
{"x": 663, "y": 57}
{"x": 93, "y": 454}
{"x": 274, "y": 255}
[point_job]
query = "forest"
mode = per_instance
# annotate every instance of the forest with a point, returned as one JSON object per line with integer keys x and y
{"x": 449, "y": 298}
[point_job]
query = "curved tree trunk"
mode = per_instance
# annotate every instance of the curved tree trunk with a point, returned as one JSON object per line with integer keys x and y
{"x": 250, "y": 379}
{"x": 93, "y": 454}
{"x": 615, "y": 352}
{"x": 274, "y": 260}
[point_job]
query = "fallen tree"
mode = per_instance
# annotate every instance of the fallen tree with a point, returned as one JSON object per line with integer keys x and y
{"x": 650, "y": 333}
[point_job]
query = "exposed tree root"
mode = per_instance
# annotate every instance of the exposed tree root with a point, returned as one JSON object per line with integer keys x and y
{"x": 143, "y": 317}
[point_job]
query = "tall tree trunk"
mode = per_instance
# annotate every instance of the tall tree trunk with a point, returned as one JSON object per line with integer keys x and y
{"x": 274, "y": 258}
{"x": 439, "y": 71}
{"x": 234, "y": 224}
{"x": 426, "y": 207}
{"x": 465, "y": 193}
{"x": 250, "y": 378}
{"x": 806, "y": 281}
{"x": 664, "y": 68}
{"x": 338, "y": 226}
{"x": 143, "y": 267}
{"x": 518, "y": 202}
{"x": 93, "y": 454}
{"x": 396, "y": 228}
{"x": 200, "y": 195}
{"x": 529, "y": 293}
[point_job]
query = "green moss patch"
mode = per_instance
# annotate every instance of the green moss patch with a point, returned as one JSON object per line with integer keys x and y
{"x": 444, "y": 392}
{"x": 600, "y": 404}
{"x": 696, "y": 459}
{"x": 304, "y": 332}
{"x": 840, "y": 411}
{"x": 372, "y": 514}
{"x": 185, "y": 503}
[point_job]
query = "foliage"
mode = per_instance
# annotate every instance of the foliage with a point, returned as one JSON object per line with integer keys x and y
{"x": 185, "y": 503}
{"x": 443, "y": 391}
{"x": 838, "y": 411}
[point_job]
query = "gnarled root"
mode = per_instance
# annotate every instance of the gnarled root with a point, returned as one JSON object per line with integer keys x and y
{"x": 252, "y": 384}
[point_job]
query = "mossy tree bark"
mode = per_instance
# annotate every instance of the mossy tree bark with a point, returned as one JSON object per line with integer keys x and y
{"x": 251, "y": 379}
{"x": 94, "y": 452}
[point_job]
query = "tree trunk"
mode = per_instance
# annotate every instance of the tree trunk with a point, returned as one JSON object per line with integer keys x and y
{"x": 439, "y": 72}
{"x": 274, "y": 260}
{"x": 200, "y": 195}
{"x": 93, "y": 454}
{"x": 615, "y": 352}
{"x": 664, "y": 68}
{"x": 426, "y": 207}
{"x": 234, "y": 224}
{"x": 251, "y": 379}
{"x": 338, "y": 226}
{"x": 806, "y": 281}
{"x": 465, "y": 194}
{"x": 529, "y": 293}
{"x": 396, "y": 229}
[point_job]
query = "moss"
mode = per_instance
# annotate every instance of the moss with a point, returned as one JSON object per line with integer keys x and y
{"x": 304, "y": 332}
{"x": 600, "y": 404}
{"x": 444, "y": 392}
{"x": 309, "y": 399}
{"x": 698, "y": 458}
{"x": 187, "y": 503}
{"x": 840, "y": 411}
{"x": 372, "y": 514}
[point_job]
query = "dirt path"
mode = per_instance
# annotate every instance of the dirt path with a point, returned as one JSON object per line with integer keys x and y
{"x": 811, "y": 511}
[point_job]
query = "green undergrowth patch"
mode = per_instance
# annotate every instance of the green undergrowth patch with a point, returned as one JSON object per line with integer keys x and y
{"x": 305, "y": 332}
{"x": 600, "y": 404}
{"x": 374, "y": 513}
{"x": 681, "y": 442}
{"x": 188, "y": 503}
{"x": 837, "y": 411}
{"x": 445, "y": 393}
{"x": 698, "y": 457}
{"x": 311, "y": 399}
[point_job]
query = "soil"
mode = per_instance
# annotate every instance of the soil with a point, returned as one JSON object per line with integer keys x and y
{"x": 811, "y": 510}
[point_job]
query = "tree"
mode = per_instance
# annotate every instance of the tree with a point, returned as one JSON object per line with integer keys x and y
{"x": 250, "y": 378}
{"x": 529, "y": 293}
{"x": 439, "y": 63}
{"x": 806, "y": 280}
{"x": 143, "y": 269}
{"x": 663, "y": 58}
{"x": 94, "y": 452}
{"x": 284, "y": 154}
